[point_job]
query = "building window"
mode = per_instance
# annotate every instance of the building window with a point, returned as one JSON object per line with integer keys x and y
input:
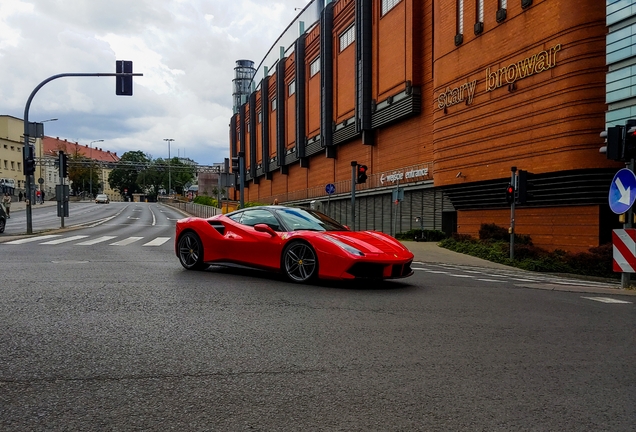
{"x": 19, "y": 166}
{"x": 314, "y": 68}
{"x": 274, "y": 104}
{"x": 291, "y": 88}
{"x": 347, "y": 37}
{"x": 387, "y": 5}
{"x": 13, "y": 165}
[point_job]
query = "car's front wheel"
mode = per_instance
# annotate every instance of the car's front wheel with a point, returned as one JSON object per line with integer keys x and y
{"x": 299, "y": 262}
{"x": 191, "y": 252}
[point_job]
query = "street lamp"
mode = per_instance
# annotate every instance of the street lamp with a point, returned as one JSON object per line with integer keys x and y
{"x": 90, "y": 145}
{"x": 169, "y": 171}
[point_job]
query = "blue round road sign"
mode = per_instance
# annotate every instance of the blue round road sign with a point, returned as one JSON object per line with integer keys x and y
{"x": 330, "y": 188}
{"x": 622, "y": 193}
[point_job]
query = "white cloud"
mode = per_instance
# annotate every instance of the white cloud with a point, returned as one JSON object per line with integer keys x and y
{"x": 185, "y": 49}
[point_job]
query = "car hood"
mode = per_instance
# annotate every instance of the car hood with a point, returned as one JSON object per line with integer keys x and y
{"x": 369, "y": 242}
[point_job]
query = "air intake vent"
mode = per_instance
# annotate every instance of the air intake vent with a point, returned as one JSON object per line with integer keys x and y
{"x": 501, "y": 15}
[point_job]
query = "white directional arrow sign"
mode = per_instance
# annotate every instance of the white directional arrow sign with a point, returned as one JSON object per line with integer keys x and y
{"x": 621, "y": 197}
{"x": 624, "y": 199}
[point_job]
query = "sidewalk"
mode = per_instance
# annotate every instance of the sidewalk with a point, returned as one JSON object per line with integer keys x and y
{"x": 17, "y": 206}
{"x": 430, "y": 252}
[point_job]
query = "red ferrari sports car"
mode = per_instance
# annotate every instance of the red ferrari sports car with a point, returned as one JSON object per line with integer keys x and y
{"x": 303, "y": 244}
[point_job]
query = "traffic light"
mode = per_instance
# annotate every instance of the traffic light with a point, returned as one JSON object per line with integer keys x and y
{"x": 362, "y": 174}
{"x": 630, "y": 139}
{"x": 63, "y": 164}
{"x": 124, "y": 84}
{"x": 29, "y": 160}
{"x": 235, "y": 164}
{"x": 510, "y": 194}
{"x": 613, "y": 142}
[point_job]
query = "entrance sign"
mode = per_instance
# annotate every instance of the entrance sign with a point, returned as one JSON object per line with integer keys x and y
{"x": 622, "y": 193}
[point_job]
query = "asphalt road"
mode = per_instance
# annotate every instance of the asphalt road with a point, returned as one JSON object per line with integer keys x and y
{"x": 104, "y": 332}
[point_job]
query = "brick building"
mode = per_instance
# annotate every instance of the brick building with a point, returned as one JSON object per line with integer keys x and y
{"x": 440, "y": 98}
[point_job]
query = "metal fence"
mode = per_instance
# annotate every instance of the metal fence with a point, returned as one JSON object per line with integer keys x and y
{"x": 198, "y": 210}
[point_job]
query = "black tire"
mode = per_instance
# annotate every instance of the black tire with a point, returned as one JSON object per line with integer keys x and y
{"x": 2, "y": 225}
{"x": 191, "y": 252}
{"x": 299, "y": 262}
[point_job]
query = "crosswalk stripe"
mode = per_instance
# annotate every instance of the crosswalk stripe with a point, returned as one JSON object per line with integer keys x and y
{"x": 31, "y": 239}
{"x": 95, "y": 241}
{"x": 158, "y": 241}
{"x": 127, "y": 241}
{"x": 64, "y": 240}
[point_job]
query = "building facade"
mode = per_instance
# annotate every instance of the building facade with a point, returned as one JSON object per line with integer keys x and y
{"x": 439, "y": 98}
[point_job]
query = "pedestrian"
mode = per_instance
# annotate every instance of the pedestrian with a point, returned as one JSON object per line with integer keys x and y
{"x": 37, "y": 196}
{"x": 276, "y": 201}
{"x": 42, "y": 202}
{"x": 20, "y": 196}
{"x": 6, "y": 200}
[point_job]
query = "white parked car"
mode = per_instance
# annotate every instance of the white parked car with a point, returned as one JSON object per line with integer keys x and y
{"x": 102, "y": 198}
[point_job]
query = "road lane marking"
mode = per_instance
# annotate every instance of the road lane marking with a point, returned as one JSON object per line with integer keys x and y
{"x": 64, "y": 240}
{"x": 158, "y": 241}
{"x": 490, "y": 280}
{"x": 437, "y": 271}
{"x": 32, "y": 239}
{"x": 127, "y": 241}
{"x": 607, "y": 300}
{"x": 461, "y": 276}
{"x": 97, "y": 240}
{"x": 154, "y": 220}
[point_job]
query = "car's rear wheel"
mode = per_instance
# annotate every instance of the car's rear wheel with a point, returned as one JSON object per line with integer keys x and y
{"x": 191, "y": 252}
{"x": 2, "y": 225}
{"x": 299, "y": 262}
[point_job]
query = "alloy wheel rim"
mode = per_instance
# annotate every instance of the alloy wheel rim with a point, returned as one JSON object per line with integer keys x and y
{"x": 189, "y": 250}
{"x": 300, "y": 262}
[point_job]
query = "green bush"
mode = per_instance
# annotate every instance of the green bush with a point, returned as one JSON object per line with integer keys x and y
{"x": 205, "y": 200}
{"x": 421, "y": 235}
{"x": 596, "y": 262}
{"x": 496, "y": 233}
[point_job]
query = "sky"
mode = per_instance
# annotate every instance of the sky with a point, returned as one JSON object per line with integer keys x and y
{"x": 186, "y": 50}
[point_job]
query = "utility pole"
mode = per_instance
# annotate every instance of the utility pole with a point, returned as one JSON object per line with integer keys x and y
{"x": 513, "y": 182}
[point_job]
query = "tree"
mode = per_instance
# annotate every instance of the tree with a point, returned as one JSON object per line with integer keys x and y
{"x": 126, "y": 177}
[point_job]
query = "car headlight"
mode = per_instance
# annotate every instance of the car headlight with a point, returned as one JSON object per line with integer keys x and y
{"x": 344, "y": 246}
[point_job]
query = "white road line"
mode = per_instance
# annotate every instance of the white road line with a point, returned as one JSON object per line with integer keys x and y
{"x": 437, "y": 271}
{"x": 461, "y": 276}
{"x": 158, "y": 241}
{"x": 133, "y": 218}
{"x": 32, "y": 239}
{"x": 606, "y": 300}
{"x": 64, "y": 240}
{"x": 127, "y": 241}
{"x": 420, "y": 269}
{"x": 154, "y": 220}
{"x": 524, "y": 280}
{"x": 97, "y": 240}
{"x": 490, "y": 280}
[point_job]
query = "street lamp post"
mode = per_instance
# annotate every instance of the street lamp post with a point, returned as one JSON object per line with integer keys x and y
{"x": 169, "y": 171}
{"x": 91, "y": 170}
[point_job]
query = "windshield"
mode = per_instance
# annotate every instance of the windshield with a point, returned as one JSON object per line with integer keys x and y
{"x": 301, "y": 219}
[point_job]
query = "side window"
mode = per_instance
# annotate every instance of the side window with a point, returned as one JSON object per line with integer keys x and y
{"x": 236, "y": 217}
{"x": 258, "y": 216}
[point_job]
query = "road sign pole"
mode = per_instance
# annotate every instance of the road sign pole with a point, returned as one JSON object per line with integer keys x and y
{"x": 629, "y": 223}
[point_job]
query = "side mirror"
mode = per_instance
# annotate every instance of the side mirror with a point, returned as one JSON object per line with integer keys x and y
{"x": 264, "y": 228}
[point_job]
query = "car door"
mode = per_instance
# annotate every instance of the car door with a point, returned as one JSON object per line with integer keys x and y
{"x": 259, "y": 248}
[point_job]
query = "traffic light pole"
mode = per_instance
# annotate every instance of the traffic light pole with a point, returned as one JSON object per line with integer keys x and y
{"x": 629, "y": 223}
{"x": 29, "y": 183}
{"x": 354, "y": 173}
{"x": 513, "y": 176}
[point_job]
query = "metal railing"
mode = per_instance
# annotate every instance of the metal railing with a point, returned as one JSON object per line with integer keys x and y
{"x": 198, "y": 210}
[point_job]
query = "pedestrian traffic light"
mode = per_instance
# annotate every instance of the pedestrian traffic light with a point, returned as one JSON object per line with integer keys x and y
{"x": 29, "y": 160}
{"x": 524, "y": 187}
{"x": 362, "y": 174}
{"x": 124, "y": 84}
{"x": 510, "y": 194}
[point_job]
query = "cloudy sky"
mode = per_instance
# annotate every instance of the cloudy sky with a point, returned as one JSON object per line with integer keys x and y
{"x": 186, "y": 50}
